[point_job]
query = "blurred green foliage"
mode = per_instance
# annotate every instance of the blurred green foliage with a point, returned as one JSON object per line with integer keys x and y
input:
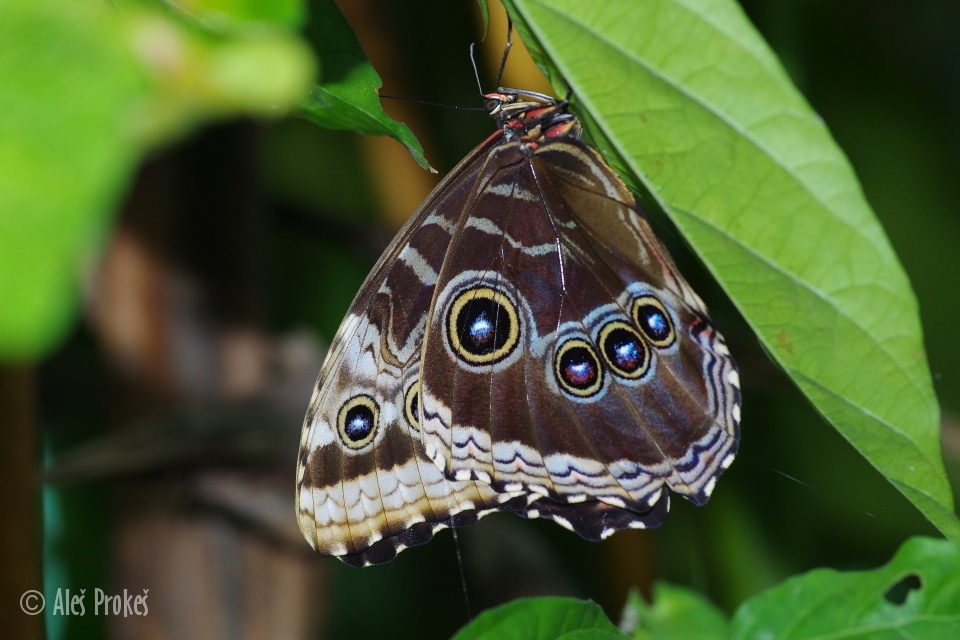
{"x": 66, "y": 148}
{"x": 238, "y": 15}
{"x": 88, "y": 88}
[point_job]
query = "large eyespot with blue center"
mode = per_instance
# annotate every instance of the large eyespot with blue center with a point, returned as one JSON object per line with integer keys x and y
{"x": 357, "y": 421}
{"x": 652, "y": 318}
{"x": 411, "y": 405}
{"x": 624, "y": 350}
{"x": 577, "y": 368}
{"x": 482, "y": 326}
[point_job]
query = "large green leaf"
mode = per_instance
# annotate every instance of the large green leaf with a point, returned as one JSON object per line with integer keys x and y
{"x": 87, "y": 88}
{"x": 687, "y": 97}
{"x": 542, "y": 619}
{"x": 916, "y": 595}
{"x": 346, "y": 96}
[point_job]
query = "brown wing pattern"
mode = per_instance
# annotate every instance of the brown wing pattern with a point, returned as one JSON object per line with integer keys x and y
{"x": 524, "y": 387}
{"x": 525, "y": 344}
{"x": 365, "y": 489}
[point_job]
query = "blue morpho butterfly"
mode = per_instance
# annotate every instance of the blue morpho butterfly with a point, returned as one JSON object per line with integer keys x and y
{"x": 524, "y": 344}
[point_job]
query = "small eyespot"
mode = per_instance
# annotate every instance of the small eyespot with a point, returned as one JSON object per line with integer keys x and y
{"x": 357, "y": 421}
{"x": 652, "y": 318}
{"x": 482, "y": 326}
{"x": 624, "y": 350}
{"x": 411, "y": 406}
{"x": 577, "y": 368}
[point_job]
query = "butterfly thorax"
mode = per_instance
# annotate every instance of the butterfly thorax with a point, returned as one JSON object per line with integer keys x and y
{"x": 531, "y": 118}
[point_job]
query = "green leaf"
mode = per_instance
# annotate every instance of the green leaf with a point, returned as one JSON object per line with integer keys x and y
{"x": 86, "y": 90}
{"x": 675, "y": 613}
{"x": 346, "y": 97}
{"x": 687, "y": 96}
{"x": 542, "y": 619}
{"x": 873, "y": 604}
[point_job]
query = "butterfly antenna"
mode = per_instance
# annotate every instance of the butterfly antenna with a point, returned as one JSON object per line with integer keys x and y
{"x": 429, "y": 103}
{"x": 476, "y": 72}
{"x": 503, "y": 58}
{"x": 506, "y": 50}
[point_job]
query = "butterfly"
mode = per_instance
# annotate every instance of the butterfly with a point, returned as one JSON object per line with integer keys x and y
{"x": 524, "y": 344}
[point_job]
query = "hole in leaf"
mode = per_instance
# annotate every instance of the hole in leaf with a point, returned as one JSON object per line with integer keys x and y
{"x": 897, "y": 594}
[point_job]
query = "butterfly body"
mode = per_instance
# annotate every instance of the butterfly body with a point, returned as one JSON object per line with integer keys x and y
{"x": 525, "y": 344}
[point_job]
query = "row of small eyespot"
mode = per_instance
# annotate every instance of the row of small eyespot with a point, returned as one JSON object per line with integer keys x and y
{"x": 578, "y": 368}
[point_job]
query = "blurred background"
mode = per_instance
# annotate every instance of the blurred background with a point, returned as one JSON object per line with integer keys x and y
{"x": 155, "y": 447}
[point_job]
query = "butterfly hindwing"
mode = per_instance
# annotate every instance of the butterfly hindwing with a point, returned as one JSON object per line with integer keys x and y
{"x": 699, "y": 383}
{"x": 595, "y": 520}
{"x": 551, "y": 272}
